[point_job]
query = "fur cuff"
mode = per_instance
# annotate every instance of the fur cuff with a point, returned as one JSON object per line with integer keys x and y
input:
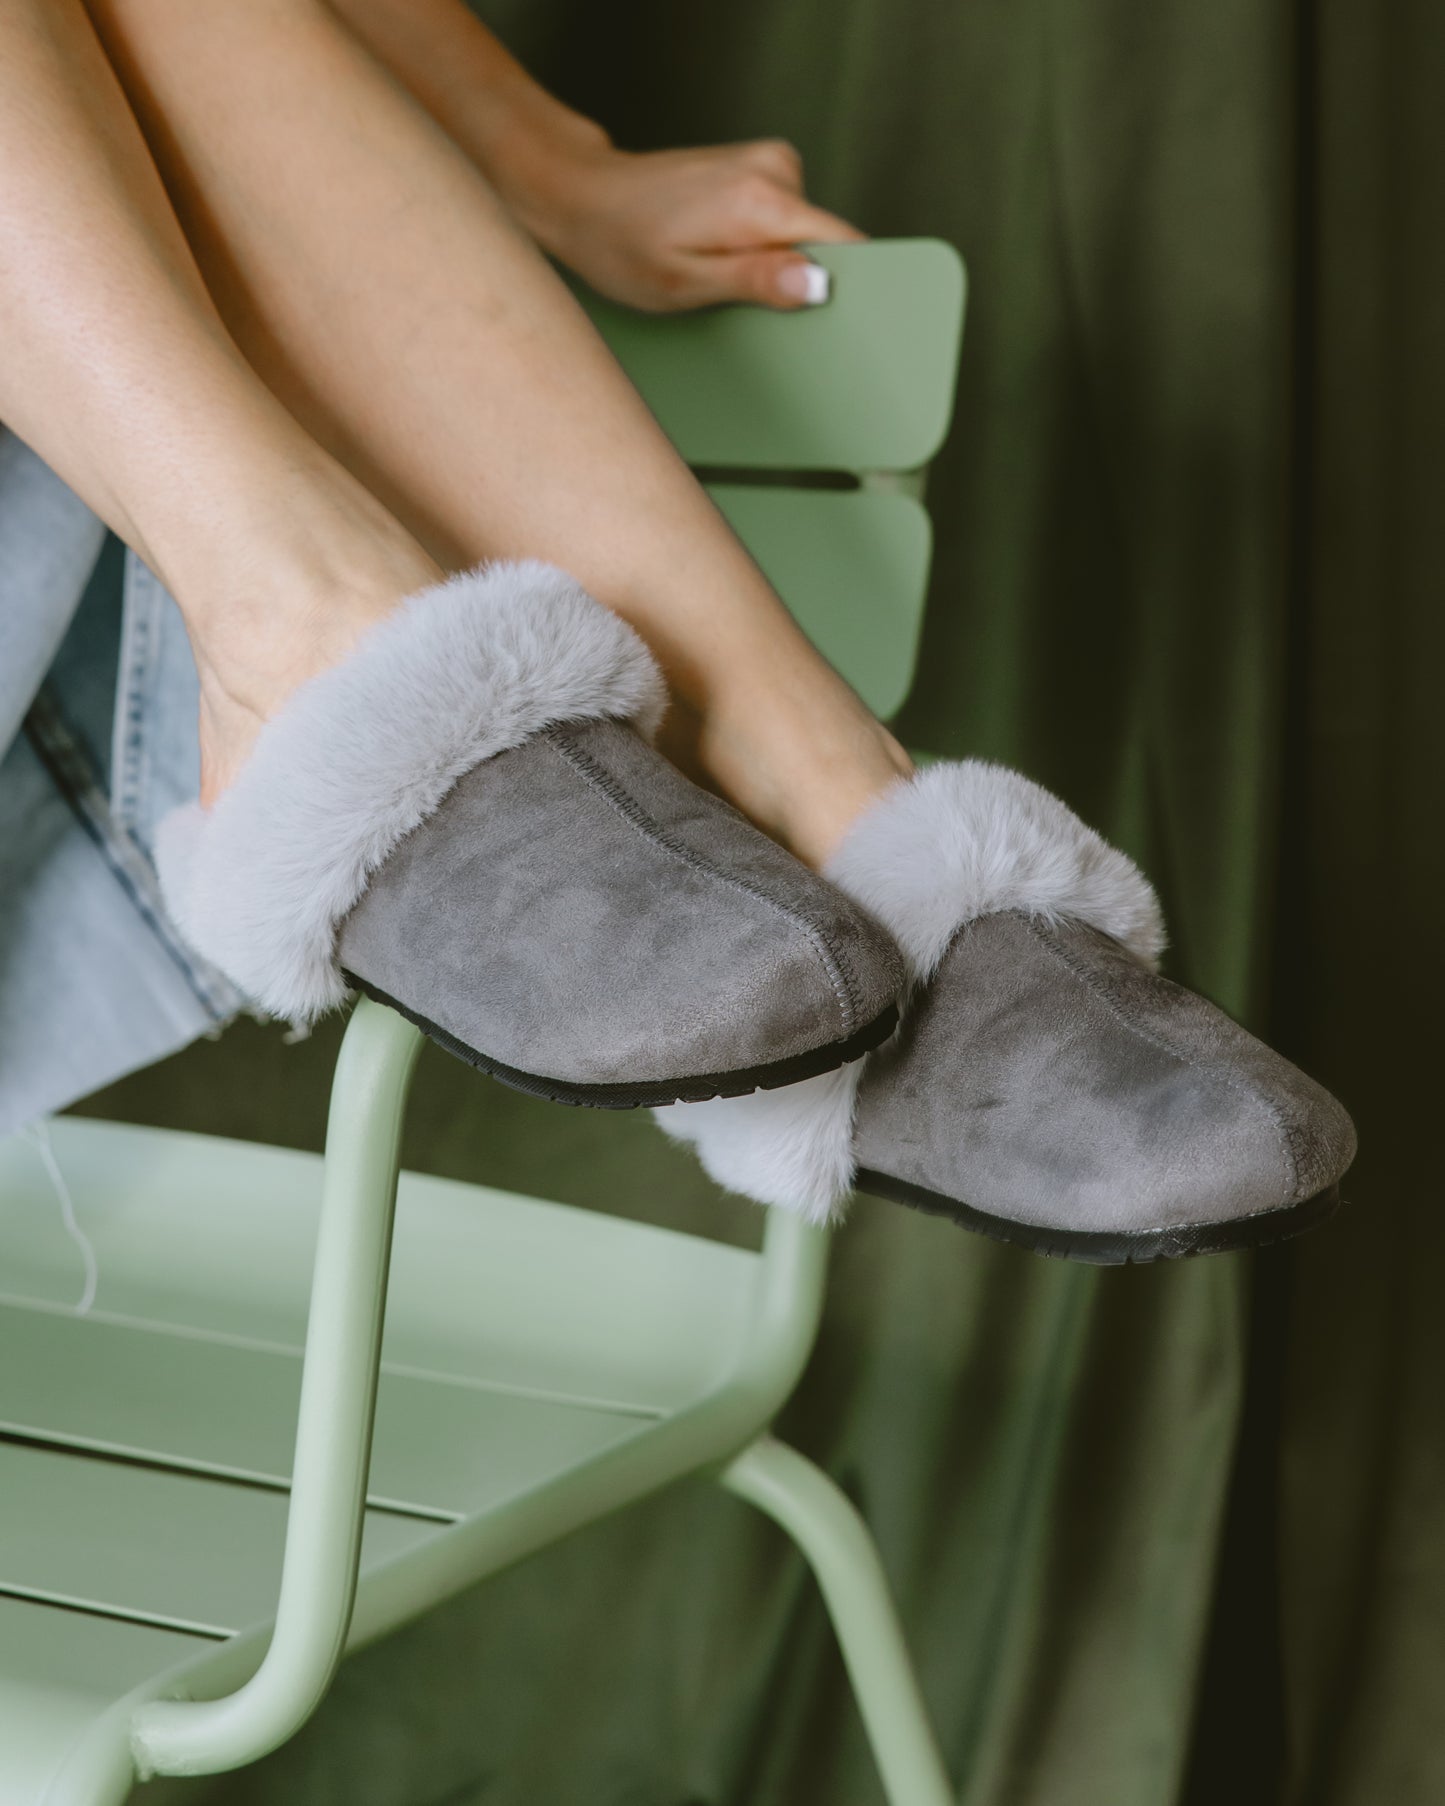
{"x": 363, "y": 753}
{"x": 792, "y": 1147}
{"x": 954, "y": 843}
{"x": 965, "y": 840}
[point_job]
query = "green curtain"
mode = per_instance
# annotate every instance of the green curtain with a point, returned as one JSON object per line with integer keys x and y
{"x": 1169, "y": 1535}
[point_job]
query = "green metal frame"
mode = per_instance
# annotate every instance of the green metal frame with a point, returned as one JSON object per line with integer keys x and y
{"x": 333, "y": 1431}
{"x": 257, "y": 1690}
{"x": 739, "y": 390}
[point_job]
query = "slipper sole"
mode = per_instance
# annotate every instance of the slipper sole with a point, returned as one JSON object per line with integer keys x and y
{"x": 1106, "y": 1248}
{"x": 650, "y": 1093}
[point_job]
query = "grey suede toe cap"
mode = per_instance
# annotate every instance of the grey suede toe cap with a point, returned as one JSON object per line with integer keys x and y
{"x": 576, "y": 910}
{"x": 1047, "y": 1079}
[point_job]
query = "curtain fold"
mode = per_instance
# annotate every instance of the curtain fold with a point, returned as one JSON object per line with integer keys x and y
{"x": 1361, "y": 1507}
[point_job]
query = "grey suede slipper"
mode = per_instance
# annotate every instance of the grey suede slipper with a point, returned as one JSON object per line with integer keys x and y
{"x": 465, "y": 818}
{"x": 1047, "y": 1087}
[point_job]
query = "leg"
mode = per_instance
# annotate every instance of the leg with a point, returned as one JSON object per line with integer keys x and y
{"x": 118, "y": 370}
{"x": 375, "y": 281}
{"x": 836, "y": 1541}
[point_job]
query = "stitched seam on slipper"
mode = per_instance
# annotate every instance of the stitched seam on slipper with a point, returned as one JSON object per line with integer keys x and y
{"x": 636, "y": 816}
{"x": 1184, "y": 1223}
{"x": 1265, "y": 1210}
{"x": 1112, "y": 1235}
{"x": 1287, "y": 1160}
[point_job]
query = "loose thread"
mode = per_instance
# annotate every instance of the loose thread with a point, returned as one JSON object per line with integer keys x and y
{"x": 38, "y": 1133}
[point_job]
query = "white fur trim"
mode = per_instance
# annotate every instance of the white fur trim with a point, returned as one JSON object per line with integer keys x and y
{"x": 956, "y": 842}
{"x": 792, "y": 1147}
{"x": 960, "y": 841}
{"x": 363, "y": 753}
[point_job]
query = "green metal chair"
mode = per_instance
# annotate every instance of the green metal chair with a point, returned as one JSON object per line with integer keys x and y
{"x": 211, "y": 1484}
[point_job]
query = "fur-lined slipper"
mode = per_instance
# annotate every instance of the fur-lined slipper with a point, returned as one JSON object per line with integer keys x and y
{"x": 1047, "y": 1087}
{"x": 465, "y": 819}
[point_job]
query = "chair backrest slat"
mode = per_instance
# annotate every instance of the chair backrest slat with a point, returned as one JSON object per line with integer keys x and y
{"x": 864, "y": 383}
{"x": 852, "y": 567}
{"x": 862, "y": 386}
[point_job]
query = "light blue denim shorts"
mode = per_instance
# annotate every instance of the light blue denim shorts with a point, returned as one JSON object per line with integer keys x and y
{"x": 98, "y": 701}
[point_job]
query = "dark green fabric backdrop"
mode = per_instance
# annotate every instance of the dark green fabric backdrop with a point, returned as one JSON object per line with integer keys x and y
{"x": 1175, "y": 1535}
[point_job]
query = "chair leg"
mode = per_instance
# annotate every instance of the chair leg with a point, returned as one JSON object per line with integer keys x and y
{"x": 823, "y": 1522}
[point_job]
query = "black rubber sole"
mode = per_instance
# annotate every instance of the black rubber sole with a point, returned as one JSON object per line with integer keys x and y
{"x": 648, "y": 1093}
{"x": 1100, "y": 1248}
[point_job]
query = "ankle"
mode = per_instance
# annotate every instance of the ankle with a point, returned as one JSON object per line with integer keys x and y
{"x": 804, "y": 780}
{"x": 823, "y": 797}
{"x": 275, "y": 622}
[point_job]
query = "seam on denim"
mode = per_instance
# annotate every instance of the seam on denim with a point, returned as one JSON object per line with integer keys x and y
{"x": 57, "y": 749}
{"x": 128, "y": 741}
{"x": 632, "y": 812}
{"x": 1287, "y": 1157}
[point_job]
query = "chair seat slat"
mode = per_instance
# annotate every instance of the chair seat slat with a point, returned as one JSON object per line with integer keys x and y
{"x": 220, "y": 1407}
{"x": 179, "y": 1550}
